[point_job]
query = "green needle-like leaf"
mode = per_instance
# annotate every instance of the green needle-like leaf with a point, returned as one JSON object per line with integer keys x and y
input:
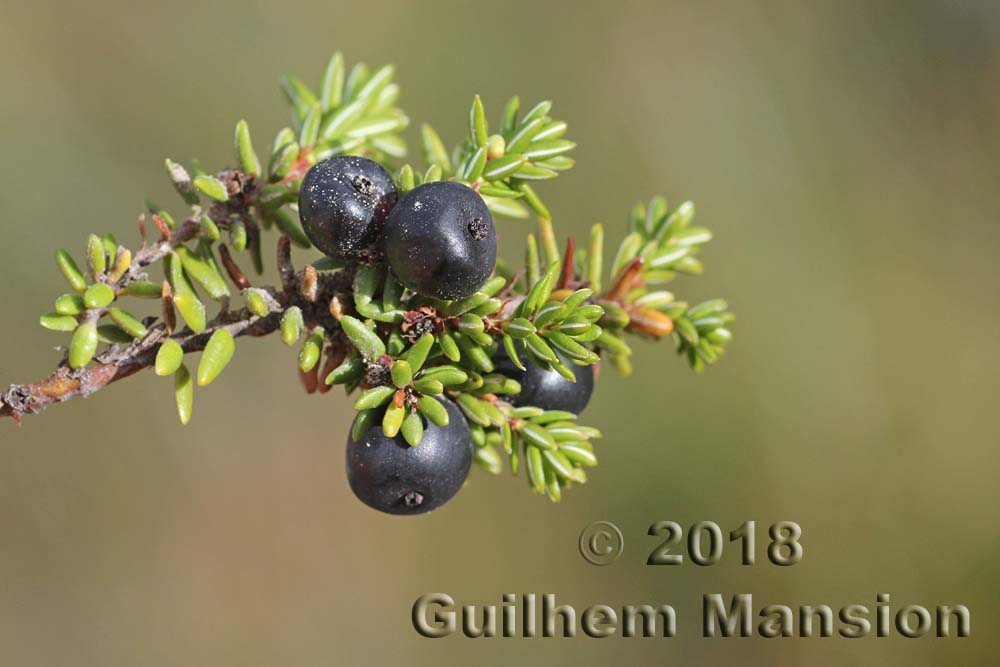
{"x": 542, "y": 150}
{"x": 506, "y": 208}
{"x": 508, "y": 121}
{"x": 282, "y": 160}
{"x": 309, "y": 132}
{"x": 211, "y": 187}
{"x": 687, "y": 330}
{"x": 434, "y": 150}
{"x": 432, "y": 408}
{"x": 238, "y": 236}
{"x": 540, "y": 110}
{"x": 70, "y": 304}
{"x": 202, "y": 269}
{"x": 595, "y": 257}
{"x": 572, "y": 349}
{"x": 541, "y": 291}
{"x": 503, "y": 167}
{"x": 402, "y": 374}
{"x": 374, "y": 397}
{"x": 553, "y": 129}
{"x": 523, "y": 136}
{"x": 364, "y": 339}
{"x": 478, "y": 132}
{"x": 297, "y": 92}
{"x": 83, "y": 345}
{"x": 446, "y": 375}
{"x": 562, "y": 466}
{"x": 311, "y": 350}
{"x": 405, "y": 180}
{"x": 392, "y": 293}
{"x": 536, "y": 469}
{"x": 413, "y": 428}
{"x": 537, "y": 436}
{"x": 249, "y": 161}
{"x": 474, "y": 352}
{"x": 336, "y": 124}
{"x": 181, "y": 181}
{"x": 519, "y": 327}
{"x": 332, "y": 85}
{"x": 349, "y": 371}
{"x": 184, "y": 394}
{"x": 540, "y": 348}
{"x": 553, "y": 489}
{"x": 474, "y": 409}
{"x": 256, "y": 303}
{"x": 488, "y": 459}
{"x": 508, "y": 344}
{"x": 364, "y": 421}
{"x": 98, "y": 295}
{"x": 169, "y": 358}
{"x": 192, "y": 310}
{"x": 552, "y": 311}
{"x": 448, "y": 346}
{"x": 579, "y": 455}
{"x": 416, "y": 355}
{"x": 470, "y": 324}
{"x": 216, "y": 356}
{"x": 589, "y": 313}
{"x": 58, "y": 322}
{"x": 97, "y": 260}
{"x": 374, "y": 84}
{"x": 475, "y": 165}
{"x": 428, "y": 386}
{"x": 392, "y": 420}
{"x": 128, "y": 323}
{"x": 291, "y": 325}
{"x": 72, "y": 272}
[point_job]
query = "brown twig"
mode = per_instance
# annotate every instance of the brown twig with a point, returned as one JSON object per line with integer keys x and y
{"x": 117, "y": 364}
{"x": 285, "y": 268}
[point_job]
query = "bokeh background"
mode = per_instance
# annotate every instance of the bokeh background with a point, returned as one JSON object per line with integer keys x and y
{"x": 845, "y": 154}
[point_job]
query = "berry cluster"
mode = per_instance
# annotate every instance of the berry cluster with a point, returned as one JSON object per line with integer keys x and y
{"x": 439, "y": 242}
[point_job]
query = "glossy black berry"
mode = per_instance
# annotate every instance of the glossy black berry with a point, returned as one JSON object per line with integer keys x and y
{"x": 343, "y": 204}
{"x": 547, "y": 389}
{"x": 389, "y": 475}
{"x": 440, "y": 241}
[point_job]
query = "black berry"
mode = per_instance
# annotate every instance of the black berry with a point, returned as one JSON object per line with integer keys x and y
{"x": 343, "y": 204}
{"x": 547, "y": 389}
{"x": 389, "y": 475}
{"x": 440, "y": 240}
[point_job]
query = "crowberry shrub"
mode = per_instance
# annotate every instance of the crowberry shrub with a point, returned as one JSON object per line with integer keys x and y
{"x": 451, "y": 354}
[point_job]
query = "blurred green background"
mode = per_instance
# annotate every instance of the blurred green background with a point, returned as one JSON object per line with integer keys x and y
{"x": 845, "y": 154}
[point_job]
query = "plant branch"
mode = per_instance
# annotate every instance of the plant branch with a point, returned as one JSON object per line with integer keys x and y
{"x": 117, "y": 363}
{"x": 120, "y": 362}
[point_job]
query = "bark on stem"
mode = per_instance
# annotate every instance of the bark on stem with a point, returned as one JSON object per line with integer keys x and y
{"x": 117, "y": 363}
